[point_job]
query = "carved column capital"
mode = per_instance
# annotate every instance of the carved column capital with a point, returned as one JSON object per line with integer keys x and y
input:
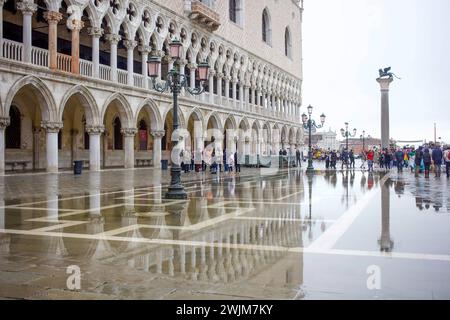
{"x": 158, "y": 134}
{"x": 27, "y": 7}
{"x": 95, "y": 129}
{"x": 95, "y": 32}
{"x": 52, "y": 16}
{"x": 129, "y": 131}
{"x": 145, "y": 49}
{"x": 113, "y": 38}
{"x": 130, "y": 44}
{"x": 75, "y": 25}
{"x": 51, "y": 127}
{"x": 192, "y": 66}
{"x": 4, "y": 122}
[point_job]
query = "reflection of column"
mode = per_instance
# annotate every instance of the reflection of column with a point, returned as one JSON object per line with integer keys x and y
{"x": 96, "y": 34}
{"x": 52, "y": 129}
{"x": 28, "y": 7}
{"x": 130, "y": 45}
{"x": 95, "y": 133}
{"x": 75, "y": 26}
{"x": 128, "y": 134}
{"x": 384, "y": 85}
{"x": 385, "y": 242}
{"x": 4, "y": 122}
{"x": 157, "y": 136}
{"x": 52, "y": 18}
{"x": 114, "y": 40}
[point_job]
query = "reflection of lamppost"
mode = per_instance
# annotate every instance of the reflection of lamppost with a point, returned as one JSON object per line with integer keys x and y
{"x": 345, "y": 133}
{"x": 175, "y": 82}
{"x": 310, "y": 177}
{"x": 308, "y": 124}
{"x": 363, "y": 138}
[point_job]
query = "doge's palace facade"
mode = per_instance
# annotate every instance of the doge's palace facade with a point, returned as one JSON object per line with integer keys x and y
{"x": 74, "y": 82}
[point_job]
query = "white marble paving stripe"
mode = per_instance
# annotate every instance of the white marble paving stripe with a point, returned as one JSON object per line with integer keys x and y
{"x": 283, "y": 219}
{"x": 120, "y": 230}
{"x": 328, "y": 239}
{"x": 356, "y": 253}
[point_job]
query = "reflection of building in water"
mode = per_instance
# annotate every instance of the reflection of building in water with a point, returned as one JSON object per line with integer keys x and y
{"x": 385, "y": 242}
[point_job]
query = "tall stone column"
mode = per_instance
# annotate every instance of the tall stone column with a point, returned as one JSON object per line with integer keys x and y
{"x": 75, "y": 26}
{"x": 384, "y": 86}
{"x": 4, "y": 122}
{"x": 233, "y": 90}
{"x": 253, "y": 94}
{"x": 113, "y": 40}
{"x": 28, "y": 7}
{"x": 192, "y": 67}
{"x": 145, "y": 50}
{"x": 95, "y": 133}
{"x": 227, "y": 87}
{"x": 128, "y": 134}
{"x": 96, "y": 33}
{"x": 245, "y": 95}
{"x": 130, "y": 45}
{"x": 52, "y": 130}
{"x": 212, "y": 73}
{"x": 52, "y": 18}
{"x": 219, "y": 87}
{"x": 157, "y": 136}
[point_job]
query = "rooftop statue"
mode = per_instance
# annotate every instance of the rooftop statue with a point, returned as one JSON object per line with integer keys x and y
{"x": 386, "y": 72}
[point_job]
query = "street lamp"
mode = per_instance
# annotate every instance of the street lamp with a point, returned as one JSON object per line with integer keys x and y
{"x": 174, "y": 83}
{"x": 308, "y": 124}
{"x": 363, "y": 139}
{"x": 345, "y": 133}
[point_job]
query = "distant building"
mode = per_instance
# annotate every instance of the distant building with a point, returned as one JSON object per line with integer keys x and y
{"x": 356, "y": 144}
{"x": 324, "y": 140}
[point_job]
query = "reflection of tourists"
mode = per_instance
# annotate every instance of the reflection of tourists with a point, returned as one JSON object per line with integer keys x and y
{"x": 447, "y": 160}
{"x": 437, "y": 156}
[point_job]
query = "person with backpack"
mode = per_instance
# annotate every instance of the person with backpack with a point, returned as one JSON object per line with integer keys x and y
{"x": 399, "y": 157}
{"x": 437, "y": 156}
{"x": 427, "y": 161}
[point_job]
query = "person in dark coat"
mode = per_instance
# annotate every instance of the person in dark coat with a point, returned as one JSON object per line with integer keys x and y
{"x": 399, "y": 159}
{"x": 237, "y": 163}
{"x": 437, "y": 156}
{"x": 418, "y": 160}
{"x": 427, "y": 161}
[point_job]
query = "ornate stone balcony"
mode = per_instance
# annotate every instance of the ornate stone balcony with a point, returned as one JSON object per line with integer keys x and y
{"x": 204, "y": 15}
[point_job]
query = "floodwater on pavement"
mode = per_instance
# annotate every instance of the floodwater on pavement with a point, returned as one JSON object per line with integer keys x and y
{"x": 254, "y": 235}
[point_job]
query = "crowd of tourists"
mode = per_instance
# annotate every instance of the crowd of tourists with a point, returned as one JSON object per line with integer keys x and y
{"x": 424, "y": 159}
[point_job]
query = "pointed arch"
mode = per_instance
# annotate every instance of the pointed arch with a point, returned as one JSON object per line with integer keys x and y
{"x": 126, "y": 114}
{"x": 88, "y": 102}
{"x": 155, "y": 118}
{"x": 42, "y": 92}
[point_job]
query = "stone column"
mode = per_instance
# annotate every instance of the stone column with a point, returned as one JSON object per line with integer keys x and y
{"x": 4, "y": 122}
{"x": 233, "y": 89}
{"x": 95, "y": 133}
{"x": 219, "y": 87}
{"x": 52, "y": 18}
{"x": 157, "y": 136}
{"x": 145, "y": 50}
{"x": 75, "y": 26}
{"x": 130, "y": 45}
{"x": 114, "y": 40}
{"x": 253, "y": 94}
{"x": 96, "y": 33}
{"x": 128, "y": 134}
{"x": 52, "y": 129}
{"x": 2, "y": 2}
{"x": 182, "y": 65}
{"x": 227, "y": 88}
{"x": 212, "y": 73}
{"x": 384, "y": 86}
{"x": 192, "y": 67}
{"x": 245, "y": 95}
{"x": 28, "y": 7}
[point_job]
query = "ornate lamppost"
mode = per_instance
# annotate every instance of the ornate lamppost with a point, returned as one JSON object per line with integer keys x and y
{"x": 346, "y": 134}
{"x": 309, "y": 124}
{"x": 363, "y": 139}
{"x": 174, "y": 83}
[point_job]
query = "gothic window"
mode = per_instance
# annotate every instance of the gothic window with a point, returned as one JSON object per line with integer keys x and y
{"x": 118, "y": 145}
{"x": 12, "y": 132}
{"x": 287, "y": 43}
{"x": 266, "y": 28}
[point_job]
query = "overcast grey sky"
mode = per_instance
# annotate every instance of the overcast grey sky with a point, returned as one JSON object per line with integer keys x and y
{"x": 345, "y": 42}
